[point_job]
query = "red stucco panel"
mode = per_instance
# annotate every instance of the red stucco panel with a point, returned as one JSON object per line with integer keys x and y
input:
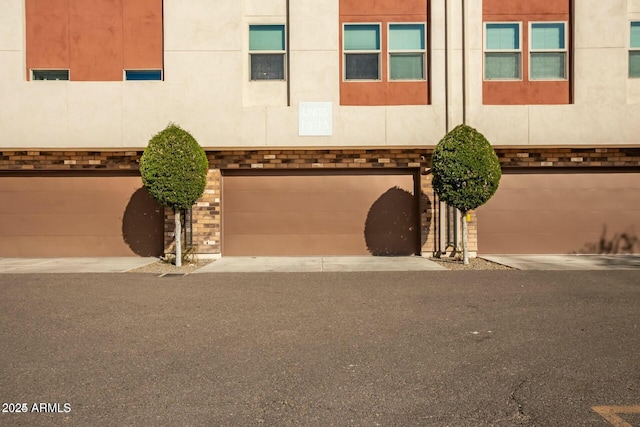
{"x": 383, "y": 92}
{"x": 382, "y": 7}
{"x": 524, "y": 7}
{"x": 142, "y": 27}
{"x": 47, "y": 34}
{"x": 526, "y": 92}
{"x": 96, "y": 40}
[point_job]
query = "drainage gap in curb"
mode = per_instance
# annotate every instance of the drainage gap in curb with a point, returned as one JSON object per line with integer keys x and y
{"x": 172, "y": 275}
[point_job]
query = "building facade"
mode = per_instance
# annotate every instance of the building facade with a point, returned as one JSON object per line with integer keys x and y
{"x": 319, "y": 120}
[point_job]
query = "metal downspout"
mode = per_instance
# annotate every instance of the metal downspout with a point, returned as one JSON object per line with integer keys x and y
{"x": 464, "y": 64}
{"x": 288, "y": 52}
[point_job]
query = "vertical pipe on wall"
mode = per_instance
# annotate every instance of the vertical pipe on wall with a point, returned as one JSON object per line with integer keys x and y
{"x": 288, "y": 52}
{"x": 446, "y": 66}
{"x": 571, "y": 47}
{"x": 464, "y": 65}
{"x": 442, "y": 209}
{"x": 163, "y": 37}
{"x": 430, "y": 51}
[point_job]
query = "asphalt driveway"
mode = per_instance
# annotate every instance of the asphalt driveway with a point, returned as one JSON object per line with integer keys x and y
{"x": 480, "y": 348}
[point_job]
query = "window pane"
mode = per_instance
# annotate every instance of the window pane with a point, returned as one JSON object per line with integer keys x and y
{"x": 361, "y": 37}
{"x": 502, "y": 66}
{"x": 548, "y": 65}
{"x": 406, "y": 66}
{"x": 50, "y": 74}
{"x": 266, "y": 37}
{"x": 503, "y": 36}
{"x": 635, "y": 34}
{"x": 634, "y": 64}
{"x": 267, "y": 67}
{"x": 406, "y": 37}
{"x": 547, "y": 36}
{"x": 362, "y": 66}
{"x": 143, "y": 75}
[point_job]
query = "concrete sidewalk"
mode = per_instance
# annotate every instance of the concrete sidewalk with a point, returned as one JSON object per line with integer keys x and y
{"x": 319, "y": 264}
{"x": 415, "y": 263}
{"x": 222, "y": 265}
{"x": 73, "y": 265}
{"x": 567, "y": 262}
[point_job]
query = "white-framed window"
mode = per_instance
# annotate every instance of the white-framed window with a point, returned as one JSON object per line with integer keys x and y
{"x": 503, "y": 51}
{"x": 547, "y": 51}
{"x": 143, "y": 74}
{"x": 407, "y": 48}
{"x": 267, "y": 52}
{"x": 634, "y": 50}
{"x": 60, "y": 74}
{"x": 361, "y": 47}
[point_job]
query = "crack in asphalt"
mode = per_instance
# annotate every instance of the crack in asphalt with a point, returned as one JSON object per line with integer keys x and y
{"x": 515, "y": 399}
{"x": 519, "y": 416}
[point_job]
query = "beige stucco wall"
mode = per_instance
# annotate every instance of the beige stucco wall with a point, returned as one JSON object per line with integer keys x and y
{"x": 633, "y": 85}
{"x": 207, "y": 88}
{"x": 605, "y": 109}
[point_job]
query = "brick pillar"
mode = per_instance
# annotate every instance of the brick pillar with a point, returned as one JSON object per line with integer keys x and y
{"x": 428, "y": 211}
{"x": 205, "y": 219}
{"x": 169, "y": 229}
{"x": 472, "y": 229}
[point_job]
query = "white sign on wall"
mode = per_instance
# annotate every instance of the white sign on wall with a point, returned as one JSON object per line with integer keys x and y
{"x": 315, "y": 119}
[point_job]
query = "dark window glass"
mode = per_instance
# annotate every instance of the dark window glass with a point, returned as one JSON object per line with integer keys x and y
{"x": 50, "y": 74}
{"x": 362, "y": 66}
{"x": 634, "y": 64}
{"x": 502, "y": 66}
{"x": 267, "y": 66}
{"x": 406, "y": 66}
{"x": 143, "y": 74}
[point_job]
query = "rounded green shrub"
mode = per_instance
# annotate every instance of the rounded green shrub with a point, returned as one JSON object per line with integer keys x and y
{"x": 174, "y": 168}
{"x": 466, "y": 170}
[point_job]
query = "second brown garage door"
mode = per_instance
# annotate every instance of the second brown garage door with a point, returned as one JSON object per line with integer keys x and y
{"x": 548, "y": 212}
{"x": 319, "y": 213}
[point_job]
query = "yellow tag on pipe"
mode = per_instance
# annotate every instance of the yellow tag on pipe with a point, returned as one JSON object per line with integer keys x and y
{"x": 468, "y": 217}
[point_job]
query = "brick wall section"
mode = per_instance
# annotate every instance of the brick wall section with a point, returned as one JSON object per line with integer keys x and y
{"x": 304, "y": 159}
{"x": 472, "y": 230}
{"x": 282, "y": 159}
{"x": 69, "y": 160}
{"x": 206, "y": 213}
{"x": 569, "y": 157}
{"x": 205, "y": 216}
{"x": 428, "y": 215}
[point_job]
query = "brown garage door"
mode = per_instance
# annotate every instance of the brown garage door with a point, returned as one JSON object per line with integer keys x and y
{"x": 319, "y": 213}
{"x": 78, "y": 215}
{"x": 562, "y": 213}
